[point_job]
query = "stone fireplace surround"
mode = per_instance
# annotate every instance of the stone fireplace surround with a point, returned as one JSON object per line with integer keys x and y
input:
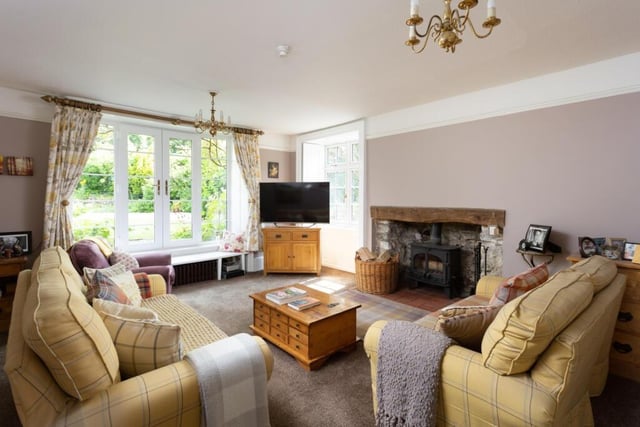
{"x": 394, "y": 228}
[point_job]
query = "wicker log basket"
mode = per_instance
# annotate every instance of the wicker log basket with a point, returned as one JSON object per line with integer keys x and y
{"x": 377, "y": 277}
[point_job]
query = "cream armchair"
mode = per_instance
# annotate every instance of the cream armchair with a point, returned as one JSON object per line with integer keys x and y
{"x": 555, "y": 391}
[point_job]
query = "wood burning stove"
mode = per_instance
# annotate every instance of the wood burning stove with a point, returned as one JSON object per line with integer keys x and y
{"x": 435, "y": 264}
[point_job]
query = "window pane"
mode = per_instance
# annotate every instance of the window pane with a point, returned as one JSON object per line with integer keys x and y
{"x": 214, "y": 188}
{"x": 180, "y": 193}
{"x": 355, "y": 153}
{"x": 141, "y": 187}
{"x": 336, "y": 155}
{"x": 93, "y": 199}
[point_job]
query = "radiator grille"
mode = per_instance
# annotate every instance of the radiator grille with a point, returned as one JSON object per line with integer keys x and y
{"x": 195, "y": 272}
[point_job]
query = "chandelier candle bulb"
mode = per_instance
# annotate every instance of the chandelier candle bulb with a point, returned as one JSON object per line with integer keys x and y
{"x": 415, "y": 8}
{"x": 491, "y": 9}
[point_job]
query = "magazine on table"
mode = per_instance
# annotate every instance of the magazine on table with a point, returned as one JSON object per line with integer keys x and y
{"x": 284, "y": 296}
{"x": 304, "y": 303}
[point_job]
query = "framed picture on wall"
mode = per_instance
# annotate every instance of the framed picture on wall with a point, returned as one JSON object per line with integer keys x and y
{"x": 273, "y": 169}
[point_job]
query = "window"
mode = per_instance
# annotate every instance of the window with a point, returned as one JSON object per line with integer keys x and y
{"x": 335, "y": 156}
{"x": 146, "y": 188}
{"x": 93, "y": 200}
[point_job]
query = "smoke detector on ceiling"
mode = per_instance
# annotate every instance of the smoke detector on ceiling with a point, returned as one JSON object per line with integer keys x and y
{"x": 283, "y": 50}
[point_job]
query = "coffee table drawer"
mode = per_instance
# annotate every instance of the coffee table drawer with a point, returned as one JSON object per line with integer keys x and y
{"x": 280, "y": 325}
{"x": 299, "y": 326}
{"x": 262, "y": 307}
{"x": 279, "y": 335}
{"x": 262, "y": 325}
{"x": 257, "y": 314}
{"x": 299, "y": 347}
{"x": 299, "y": 336}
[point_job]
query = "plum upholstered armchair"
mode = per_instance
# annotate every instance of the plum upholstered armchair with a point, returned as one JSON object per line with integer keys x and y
{"x": 91, "y": 253}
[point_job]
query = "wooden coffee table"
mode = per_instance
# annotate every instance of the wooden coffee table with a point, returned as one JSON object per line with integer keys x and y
{"x": 311, "y": 335}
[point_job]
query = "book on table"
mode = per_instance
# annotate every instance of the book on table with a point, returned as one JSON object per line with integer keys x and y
{"x": 286, "y": 295}
{"x": 304, "y": 303}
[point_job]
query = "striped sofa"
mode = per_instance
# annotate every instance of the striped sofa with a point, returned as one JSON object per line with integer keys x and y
{"x": 63, "y": 367}
{"x": 541, "y": 358}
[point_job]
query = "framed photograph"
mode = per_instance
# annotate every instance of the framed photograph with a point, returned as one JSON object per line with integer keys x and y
{"x": 15, "y": 243}
{"x": 629, "y": 250}
{"x": 273, "y": 169}
{"x": 614, "y": 247}
{"x": 537, "y": 237}
{"x": 600, "y": 244}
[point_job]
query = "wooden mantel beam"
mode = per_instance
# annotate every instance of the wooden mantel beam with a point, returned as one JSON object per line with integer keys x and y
{"x": 430, "y": 215}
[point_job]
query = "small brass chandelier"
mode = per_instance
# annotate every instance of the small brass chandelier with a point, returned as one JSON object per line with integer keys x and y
{"x": 211, "y": 125}
{"x": 447, "y": 30}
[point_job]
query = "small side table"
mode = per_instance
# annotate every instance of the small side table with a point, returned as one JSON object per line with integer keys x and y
{"x": 529, "y": 256}
{"x": 9, "y": 270}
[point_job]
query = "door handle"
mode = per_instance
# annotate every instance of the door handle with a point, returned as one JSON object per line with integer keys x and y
{"x": 166, "y": 187}
{"x": 158, "y": 187}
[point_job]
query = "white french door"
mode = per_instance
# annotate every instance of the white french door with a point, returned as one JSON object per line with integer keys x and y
{"x": 159, "y": 178}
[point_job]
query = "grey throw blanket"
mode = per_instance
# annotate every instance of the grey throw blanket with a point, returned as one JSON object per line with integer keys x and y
{"x": 233, "y": 382}
{"x": 408, "y": 377}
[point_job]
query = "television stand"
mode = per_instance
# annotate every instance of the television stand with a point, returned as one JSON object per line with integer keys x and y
{"x": 291, "y": 250}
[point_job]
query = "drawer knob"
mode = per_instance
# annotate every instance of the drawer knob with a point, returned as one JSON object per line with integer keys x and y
{"x": 304, "y": 236}
{"x": 298, "y": 336}
{"x": 622, "y": 348}
{"x": 625, "y": 316}
{"x": 278, "y": 236}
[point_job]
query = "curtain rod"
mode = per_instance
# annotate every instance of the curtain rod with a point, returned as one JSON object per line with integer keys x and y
{"x": 97, "y": 107}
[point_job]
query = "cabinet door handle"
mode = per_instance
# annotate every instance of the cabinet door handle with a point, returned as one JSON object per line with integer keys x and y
{"x": 625, "y": 316}
{"x": 622, "y": 348}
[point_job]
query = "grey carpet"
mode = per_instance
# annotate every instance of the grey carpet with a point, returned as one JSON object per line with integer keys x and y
{"x": 338, "y": 394}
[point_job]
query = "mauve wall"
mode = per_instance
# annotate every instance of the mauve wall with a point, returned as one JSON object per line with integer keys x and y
{"x": 286, "y": 163}
{"x": 574, "y": 167}
{"x": 22, "y": 197}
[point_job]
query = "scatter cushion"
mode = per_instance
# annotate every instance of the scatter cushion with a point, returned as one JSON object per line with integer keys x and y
{"x": 144, "y": 285}
{"x": 600, "y": 270}
{"x": 143, "y": 345}
{"x": 128, "y": 261}
{"x": 467, "y": 324}
{"x": 519, "y": 284}
{"x": 66, "y": 332}
{"x": 232, "y": 242}
{"x": 129, "y": 286}
{"x": 104, "y": 287}
{"x": 123, "y": 310}
{"x": 525, "y": 327}
{"x": 112, "y": 270}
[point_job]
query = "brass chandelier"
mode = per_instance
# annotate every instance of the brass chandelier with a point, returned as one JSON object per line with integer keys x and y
{"x": 447, "y": 30}
{"x": 212, "y": 125}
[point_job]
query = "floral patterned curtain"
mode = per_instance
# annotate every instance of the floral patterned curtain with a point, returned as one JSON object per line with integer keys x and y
{"x": 248, "y": 155}
{"x": 73, "y": 131}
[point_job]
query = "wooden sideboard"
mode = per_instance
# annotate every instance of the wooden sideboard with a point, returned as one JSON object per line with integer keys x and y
{"x": 624, "y": 360}
{"x": 291, "y": 250}
{"x": 9, "y": 270}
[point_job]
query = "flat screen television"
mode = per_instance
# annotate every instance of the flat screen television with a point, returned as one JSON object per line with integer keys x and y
{"x": 294, "y": 202}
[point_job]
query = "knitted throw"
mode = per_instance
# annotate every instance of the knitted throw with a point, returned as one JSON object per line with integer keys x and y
{"x": 408, "y": 377}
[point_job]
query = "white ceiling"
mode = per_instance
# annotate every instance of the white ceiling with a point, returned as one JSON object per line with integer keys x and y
{"x": 347, "y": 59}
